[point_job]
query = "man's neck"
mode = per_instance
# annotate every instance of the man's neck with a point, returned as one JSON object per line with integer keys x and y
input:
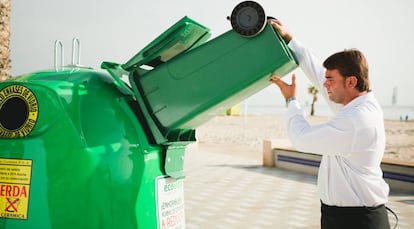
{"x": 354, "y": 96}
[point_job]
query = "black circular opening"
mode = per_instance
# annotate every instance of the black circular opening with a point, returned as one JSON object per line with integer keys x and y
{"x": 248, "y": 18}
{"x": 13, "y": 113}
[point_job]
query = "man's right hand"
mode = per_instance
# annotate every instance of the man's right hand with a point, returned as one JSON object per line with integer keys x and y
{"x": 277, "y": 24}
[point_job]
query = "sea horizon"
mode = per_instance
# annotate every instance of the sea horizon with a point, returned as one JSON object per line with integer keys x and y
{"x": 391, "y": 112}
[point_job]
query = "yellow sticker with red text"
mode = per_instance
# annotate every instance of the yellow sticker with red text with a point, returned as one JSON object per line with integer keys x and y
{"x": 15, "y": 178}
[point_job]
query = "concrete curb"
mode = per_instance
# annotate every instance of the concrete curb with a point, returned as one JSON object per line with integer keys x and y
{"x": 399, "y": 175}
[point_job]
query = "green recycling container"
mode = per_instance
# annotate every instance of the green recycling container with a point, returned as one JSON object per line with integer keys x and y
{"x": 81, "y": 148}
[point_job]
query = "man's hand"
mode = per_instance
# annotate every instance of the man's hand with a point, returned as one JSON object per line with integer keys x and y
{"x": 288, "y": 90}
{"x": 277, "y": 24}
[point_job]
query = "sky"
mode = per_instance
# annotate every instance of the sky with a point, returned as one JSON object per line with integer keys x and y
{"x": 114, "y": 31}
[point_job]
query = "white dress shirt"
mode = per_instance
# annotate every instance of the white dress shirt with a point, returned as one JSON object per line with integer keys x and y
{"x": 352, "y": 143}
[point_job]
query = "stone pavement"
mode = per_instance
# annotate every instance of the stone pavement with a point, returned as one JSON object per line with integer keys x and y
{"x": 226, "y": 187}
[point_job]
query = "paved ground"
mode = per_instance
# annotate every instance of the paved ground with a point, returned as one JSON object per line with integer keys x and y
{"x": 228, "y": 189}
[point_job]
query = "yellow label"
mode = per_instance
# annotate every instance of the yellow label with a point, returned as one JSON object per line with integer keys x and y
{"x": 9, "y": 96}
{"x": 15, "y": 177}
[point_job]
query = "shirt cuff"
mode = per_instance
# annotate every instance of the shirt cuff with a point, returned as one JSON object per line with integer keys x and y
{"x": 294, "y": 109}
{"x": 288, "y": 100}
{"x": 294, "y": 44}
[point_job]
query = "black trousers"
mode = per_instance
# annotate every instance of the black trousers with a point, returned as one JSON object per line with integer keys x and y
{"x": 334, "y": 217}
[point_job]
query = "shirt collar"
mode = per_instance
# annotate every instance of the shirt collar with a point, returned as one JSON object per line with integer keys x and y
{"x": 360, "y": 99}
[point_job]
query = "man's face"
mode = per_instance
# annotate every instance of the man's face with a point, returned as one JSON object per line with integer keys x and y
{"x": 335, "y": 86}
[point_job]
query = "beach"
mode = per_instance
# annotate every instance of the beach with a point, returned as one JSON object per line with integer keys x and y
{"x": 247, "y": 132}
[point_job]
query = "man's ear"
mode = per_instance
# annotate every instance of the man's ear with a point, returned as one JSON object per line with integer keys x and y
{"x": 351, "y": 81}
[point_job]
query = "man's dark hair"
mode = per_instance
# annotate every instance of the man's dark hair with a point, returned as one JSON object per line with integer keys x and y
{"x": 350, "y": 62}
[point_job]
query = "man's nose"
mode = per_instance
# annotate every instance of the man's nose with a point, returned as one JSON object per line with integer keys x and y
{"x": 325, "y": 84}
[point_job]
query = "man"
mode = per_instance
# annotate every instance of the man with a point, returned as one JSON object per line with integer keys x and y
{"x": 352, "y": 189}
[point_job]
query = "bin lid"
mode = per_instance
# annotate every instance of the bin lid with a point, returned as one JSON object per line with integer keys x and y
{"x": 184, "y": 35}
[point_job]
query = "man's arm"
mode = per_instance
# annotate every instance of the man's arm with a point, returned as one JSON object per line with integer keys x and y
{"x": 310, "y": 65}
{"x": 331, "y": 138}
{"x": 308, "y": 62}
